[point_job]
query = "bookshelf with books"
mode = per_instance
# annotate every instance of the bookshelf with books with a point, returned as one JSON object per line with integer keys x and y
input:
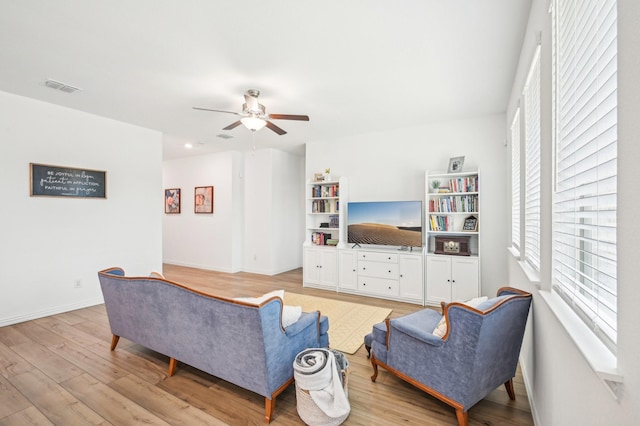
{"x": 324, "y": 228}
{"x": 453, "y": 220}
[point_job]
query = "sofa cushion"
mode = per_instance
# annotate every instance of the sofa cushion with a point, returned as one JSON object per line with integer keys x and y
{"x": 441, "y": 328}
{"x": 290, "y": 314}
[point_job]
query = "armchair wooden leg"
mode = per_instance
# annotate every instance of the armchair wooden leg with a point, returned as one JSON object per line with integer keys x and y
{"x": 375, "y": 368}
{"x": 509, "y": 386}
{"x": 463, "y": 417}
{"x": 269, "y": 407}
{"x": 173, "y": 364}
{"x": 114, "y": 341}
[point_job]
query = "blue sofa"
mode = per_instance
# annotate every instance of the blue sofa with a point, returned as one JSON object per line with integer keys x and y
{"x": 477, "y": 353}
{"x": 239, "y": 342}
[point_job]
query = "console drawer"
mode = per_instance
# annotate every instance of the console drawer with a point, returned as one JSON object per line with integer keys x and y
{"x": 378, "y": 269}
{"x": 373, "y": 256}
{"x": 379, "y": 286}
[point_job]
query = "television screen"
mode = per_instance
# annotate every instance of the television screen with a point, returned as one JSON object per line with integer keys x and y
{"x": 394, "y": 223}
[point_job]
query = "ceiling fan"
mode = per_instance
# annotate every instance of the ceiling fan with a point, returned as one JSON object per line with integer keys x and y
{"x": 254, "y": 116}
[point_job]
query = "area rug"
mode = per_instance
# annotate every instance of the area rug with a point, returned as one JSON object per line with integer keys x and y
{"x": 348, "y": 322}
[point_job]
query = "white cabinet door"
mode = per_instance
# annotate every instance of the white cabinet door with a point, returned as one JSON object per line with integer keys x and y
{"x": 347, "y": 270}
{"x": 328, "y": 267}
{"x": 320, "y": 266}
{"x": 438, "y": 279}
{"x": 464, "y": 278}
{"x": 411, "y": 284}
{"x": 311, "y": 271}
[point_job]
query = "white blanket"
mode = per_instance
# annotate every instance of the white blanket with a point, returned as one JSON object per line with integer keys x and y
{"x": 315, "y": 371}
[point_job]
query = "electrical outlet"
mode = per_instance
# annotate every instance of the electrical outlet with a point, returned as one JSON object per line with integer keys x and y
{"x": 77, "y": 283}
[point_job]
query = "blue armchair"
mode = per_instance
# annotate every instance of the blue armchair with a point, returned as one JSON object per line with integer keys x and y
{"x": 478, "y": 352}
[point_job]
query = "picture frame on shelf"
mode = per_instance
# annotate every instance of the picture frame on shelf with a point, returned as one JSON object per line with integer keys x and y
{"x": 318, "y": 177}
{"x": 203, "y": 199}
{"x": 172, "y": 200}
{"x": 470, "y": 224}
{"x": 455, "y": 164}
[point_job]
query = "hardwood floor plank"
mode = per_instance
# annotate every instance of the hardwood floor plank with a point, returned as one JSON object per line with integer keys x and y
{"x": 30, "y": 416}
{"x": 112, "y": 406}
{"x": 88, "y": 362}
{"x": 161, "y": 403}
{"x": 122, "y": 359}
{"x": 56, "y": 403}
{"x": 10, "y": 335}
{"x": 11, "y": 363}
{"x": 67, "y": 331}
{"x": 11, "y": 400}
{"x": 54, "y": 366}
{"x": 39, "y": 334}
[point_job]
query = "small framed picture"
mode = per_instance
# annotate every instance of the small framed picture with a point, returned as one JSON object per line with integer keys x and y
{"x": 470, "y": 224}
{"x": 203, "y": 199}
{"x": 455, "y": 164}
{"x": 172, "y": 200}
{"x": 318, "y": 177}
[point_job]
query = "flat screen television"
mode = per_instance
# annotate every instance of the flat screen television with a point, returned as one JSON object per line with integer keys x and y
{"x": 387, "y": 223}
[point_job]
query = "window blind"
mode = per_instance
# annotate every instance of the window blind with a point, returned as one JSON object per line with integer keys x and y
{"x": 585, "y": 132}
{"x": 515, "y": 180}
{"x": 531, "y": 96}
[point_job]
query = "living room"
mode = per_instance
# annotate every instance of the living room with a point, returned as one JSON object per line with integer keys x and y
{"x": 52, "y": 244}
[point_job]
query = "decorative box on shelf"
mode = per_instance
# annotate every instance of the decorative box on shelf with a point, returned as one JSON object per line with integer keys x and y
{"x": 458, "y": 246}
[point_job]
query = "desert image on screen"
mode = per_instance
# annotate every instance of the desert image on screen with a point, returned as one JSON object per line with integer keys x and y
{"x": 397, "y": 223}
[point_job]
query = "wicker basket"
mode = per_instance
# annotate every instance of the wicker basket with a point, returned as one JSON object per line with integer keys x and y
{"x": 311, "y": 414}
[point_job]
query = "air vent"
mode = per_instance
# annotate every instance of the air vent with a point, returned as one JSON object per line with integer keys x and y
{"x": 67, "y": 88}
{"x": 224, "y": 136}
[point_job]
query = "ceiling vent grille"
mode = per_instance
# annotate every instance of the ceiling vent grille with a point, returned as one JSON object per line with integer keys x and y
{"x": 67, "y": 88}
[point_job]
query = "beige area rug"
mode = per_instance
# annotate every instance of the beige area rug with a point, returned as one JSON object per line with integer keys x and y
{"x": 348, "y": 322}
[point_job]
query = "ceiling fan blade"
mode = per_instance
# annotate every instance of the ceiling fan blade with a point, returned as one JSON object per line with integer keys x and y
{"x": 217, "y": 110}
{"x": 233, "y": 125}
{"x": 275, "y": 128}
{"x": 289, "y": 117}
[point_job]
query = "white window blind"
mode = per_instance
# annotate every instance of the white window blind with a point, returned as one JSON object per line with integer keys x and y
{"x": 515, "y": 180}
{"x": 585, "y": 132}
{"x": 531, "y": 97}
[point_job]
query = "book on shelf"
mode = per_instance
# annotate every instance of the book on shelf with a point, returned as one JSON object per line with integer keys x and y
{"x": 325, "y": 191}
{"x": 464, "y": 184}
{"x": 454, "y": 203}
{"x": 439, "y": 223}
{"x": 321, "y": 238}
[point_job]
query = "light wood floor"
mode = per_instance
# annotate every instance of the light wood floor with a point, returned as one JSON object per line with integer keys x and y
{"x": 59, "y": 370}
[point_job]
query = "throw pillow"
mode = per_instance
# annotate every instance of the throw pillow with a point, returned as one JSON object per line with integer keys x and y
{"x": 290, "y": 314}
{"x": 441, "y": 328}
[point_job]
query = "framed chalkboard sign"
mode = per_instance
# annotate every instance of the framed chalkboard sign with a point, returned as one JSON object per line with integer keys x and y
{"x": 470, "y": 224}
{"x": 58, "y": 181}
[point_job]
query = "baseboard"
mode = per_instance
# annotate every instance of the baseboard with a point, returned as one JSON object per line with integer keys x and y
{"x": 198, "y": 266}
{"x": 529, "y": 388}
{"x": 54, "y": 310}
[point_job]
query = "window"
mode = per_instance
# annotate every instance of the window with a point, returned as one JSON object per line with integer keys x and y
{"x": 585, "y": 134}
{"x": 515, "y": 181}
{"x": 531, "y": 97}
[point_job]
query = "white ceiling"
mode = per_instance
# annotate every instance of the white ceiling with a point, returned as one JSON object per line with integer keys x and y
{"x": 353, "y": 66}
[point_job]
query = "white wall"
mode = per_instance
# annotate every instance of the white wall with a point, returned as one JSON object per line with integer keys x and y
{"x": 257, "y": 221}
{"x": 204, "y": 240}
{"x": 274, "y": 211}
{"x": 49, "y": 243}
{"x": 563, "y": 388}
{"x": 392, "y": 165}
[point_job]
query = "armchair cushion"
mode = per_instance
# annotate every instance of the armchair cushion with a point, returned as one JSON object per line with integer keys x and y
{"x": 441, "y": 328}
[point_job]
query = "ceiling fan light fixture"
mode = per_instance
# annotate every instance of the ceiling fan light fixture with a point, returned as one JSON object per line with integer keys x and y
{"x": 253, "y": 123}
